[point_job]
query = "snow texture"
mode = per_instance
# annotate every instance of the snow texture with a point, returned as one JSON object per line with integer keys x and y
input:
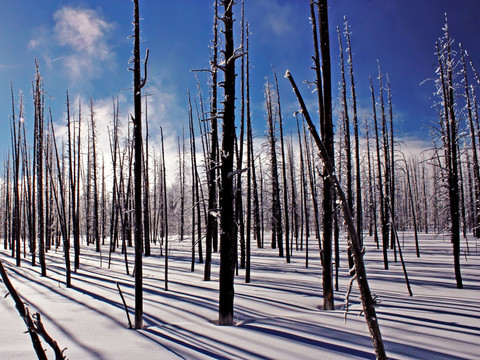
{"x": 277, "y": 316}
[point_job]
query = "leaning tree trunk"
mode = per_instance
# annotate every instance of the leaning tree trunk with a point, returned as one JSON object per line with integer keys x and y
{"x": 368, "y": 302}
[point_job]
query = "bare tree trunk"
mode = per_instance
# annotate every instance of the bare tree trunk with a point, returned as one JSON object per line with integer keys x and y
{"x": 277, "y": 232}
{"x": 250, "y": 162}
{"x": 138, "y": 84}
{"x": 450, "y": 146}
{"x": 305, "y": 212}
{"x": 476, "y": 167}
{"x": 346, "y": 129}
{"x": 328, "y": 140}
{"x": 213, "y": 161}
{"x": 96, "y": 234}
{"x": 380, "y": 184}
{"x": 284, "y": 173}
{"x": 146, "y": 197}
{"x": 61, "y": 208}
{"x": 358, "y": 184}
{"x": 227, "y": 240}
{"x": 368, "y": 302}
{"x": 164, "y": 192}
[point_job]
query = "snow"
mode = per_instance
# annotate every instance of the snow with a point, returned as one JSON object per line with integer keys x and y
{"x": 277, "y": 315}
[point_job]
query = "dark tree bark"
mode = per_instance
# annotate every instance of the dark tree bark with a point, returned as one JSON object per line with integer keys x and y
{"x": 450, "y": 147}
{"x": 138, "y": 84}
{"x": 250, "y": 162}
{"x": 386, "y": 164}
{"x": 328, "y": 140}
{"x": 227, "y": 240}
{"x": 284, "y": 173}
{"x": 39, "y": 129}
{"x": 277, "y": 231}
{"x": 16, "y": 222}
{"x": 95, "y": 225}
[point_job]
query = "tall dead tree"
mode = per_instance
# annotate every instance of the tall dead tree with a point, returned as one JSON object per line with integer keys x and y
{"x": 227, "y": 238}
{"x": 383, "y": 218}
{"x": 450, "y": 143}
{"x": 346, "y": 136}
{"x": 212, "y": 233}
{"x": 39, "y": 130}
{"x": 59, "y": 194}
{"x": 358, "y": 184}
{"x": 96, "y": 225}
{"x": 16, "y": 142}
{"x": 250, "y": 162}
{"x": 476, "y": 168}
{"x": 138, "y": 84}
{"x": 368, "y": 302}
{"x": 326, "y": 126}
{"x": 284, "y": 172}
{"x": 277, "y": 232}
{"x": 146, "y": 187}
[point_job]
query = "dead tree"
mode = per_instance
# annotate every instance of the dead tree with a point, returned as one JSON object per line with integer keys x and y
{"x": 212, "y": 227}
{"x": 358, "y": 184}
{"x": 450, "y": 144}
{"x": 34, "y": 323}
{"x": 227, "y": 235}
{"x": 476, "y": 168}
{"x": 16, "y": 142}
{"x": 368, "y": 302}
{"x": 74, "y": 182}
{"x": 383, "y": 217}
{"x": 326, "y": 126}
{"x": 95, "y": 224}
{"x": 138, "y": 84}
{"x": 38, "y": 133}
{"x": 277, "y": 232}
{"x": 346, "y": 136}
{"x": 163, "y": 190}
{"x": 146, "y": 187}
{"x": 250, "y": 162}
{"x": 284, "y": 172}
{"x": 59, "y": 194}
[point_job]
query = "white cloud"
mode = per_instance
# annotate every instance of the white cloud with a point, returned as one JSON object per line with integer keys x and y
{"x": 82, "y": 35}
{"x": 83, "y": 30}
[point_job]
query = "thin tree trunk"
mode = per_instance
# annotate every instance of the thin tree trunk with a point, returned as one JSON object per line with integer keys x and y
{"x": 368, "y": 302}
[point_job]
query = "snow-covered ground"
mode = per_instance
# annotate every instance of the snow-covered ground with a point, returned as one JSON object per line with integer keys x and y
{"x": 277, "y": 314}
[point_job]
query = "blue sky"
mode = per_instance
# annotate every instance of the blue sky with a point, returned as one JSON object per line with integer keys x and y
{"x": 83, "y": 47}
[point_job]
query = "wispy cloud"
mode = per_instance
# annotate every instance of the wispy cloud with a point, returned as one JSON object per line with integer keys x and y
{"x": 81, "y": 42}
{"x": 277, "y": 17}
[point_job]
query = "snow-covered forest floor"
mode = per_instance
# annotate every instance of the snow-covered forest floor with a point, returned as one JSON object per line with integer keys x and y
{"x": 277, "y": 314}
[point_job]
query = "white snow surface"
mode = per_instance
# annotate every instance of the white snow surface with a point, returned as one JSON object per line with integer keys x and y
{"x": 278, "y": 315}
